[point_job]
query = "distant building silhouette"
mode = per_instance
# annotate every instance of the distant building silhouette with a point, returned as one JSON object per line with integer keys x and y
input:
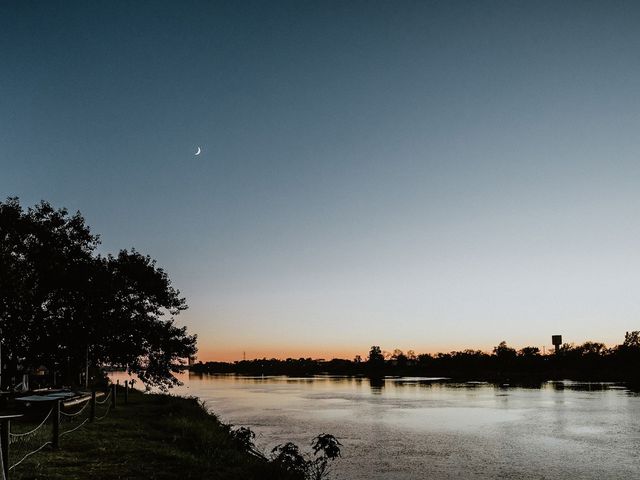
{"x": 557, "y": 341}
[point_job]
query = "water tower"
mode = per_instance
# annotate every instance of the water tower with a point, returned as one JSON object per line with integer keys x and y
{"x": 557, "y": 341}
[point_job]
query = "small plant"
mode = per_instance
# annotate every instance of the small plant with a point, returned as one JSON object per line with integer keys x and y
{"x": 243, "y": 437}
{"x": 326, "y": 448}
{"x": 289, "y": 458}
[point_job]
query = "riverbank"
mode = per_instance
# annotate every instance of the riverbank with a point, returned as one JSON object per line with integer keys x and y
{"x": 413, "y": 428}
{"x": 154, "y": 436}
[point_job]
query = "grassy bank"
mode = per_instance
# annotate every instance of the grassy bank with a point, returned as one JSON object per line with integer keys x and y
{"x": 153, "y": 437}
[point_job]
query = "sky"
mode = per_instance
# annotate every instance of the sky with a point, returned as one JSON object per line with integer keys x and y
{"x": 429, "y": 175}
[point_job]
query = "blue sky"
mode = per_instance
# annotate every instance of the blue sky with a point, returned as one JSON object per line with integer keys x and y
{"x": 426, "y": 175}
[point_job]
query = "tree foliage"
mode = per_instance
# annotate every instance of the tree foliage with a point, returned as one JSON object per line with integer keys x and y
{"x": 376, "y": 357}
{"x": 61, "y": 302}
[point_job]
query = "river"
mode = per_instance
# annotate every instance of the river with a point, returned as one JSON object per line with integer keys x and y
{"x": 420, "y": 428}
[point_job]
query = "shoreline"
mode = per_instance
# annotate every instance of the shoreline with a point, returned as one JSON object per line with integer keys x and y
{"x": 153, "y": 436}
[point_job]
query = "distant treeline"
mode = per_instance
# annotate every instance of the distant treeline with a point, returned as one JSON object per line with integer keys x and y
{"x": 589, "y": 361}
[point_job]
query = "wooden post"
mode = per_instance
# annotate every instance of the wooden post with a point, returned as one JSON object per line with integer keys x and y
{"x": 55, "y": 440}
{"x": 126, "y": 392}
{"x": 86, "y": 368}
{"x": 4, "y": 441}
{"x": 5, "y": 428}
{"x": 92, "y": 411}
{"x": 113, "y": 396}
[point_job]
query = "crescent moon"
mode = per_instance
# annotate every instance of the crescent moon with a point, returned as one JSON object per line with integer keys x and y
{"x": 198, "y": 152}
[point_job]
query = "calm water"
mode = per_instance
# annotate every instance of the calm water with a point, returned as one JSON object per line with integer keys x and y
{"x": 413, "y": 428}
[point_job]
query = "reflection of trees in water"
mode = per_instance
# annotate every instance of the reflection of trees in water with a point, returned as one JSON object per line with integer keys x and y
{"x": 583, "y": 386}
{"x": 376, "y": 384}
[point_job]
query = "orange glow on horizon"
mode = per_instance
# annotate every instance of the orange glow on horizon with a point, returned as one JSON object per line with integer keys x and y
{"x": 207, "y": 353}
{"x": 230, "y": 355}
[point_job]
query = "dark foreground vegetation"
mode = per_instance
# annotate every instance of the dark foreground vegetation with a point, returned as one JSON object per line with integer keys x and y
{"x": 166, "y": 437}
{"x": 67, "y": 313}
{"x": 589, "y": 361}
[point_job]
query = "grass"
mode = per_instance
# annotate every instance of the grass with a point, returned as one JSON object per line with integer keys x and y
{"x": 152, "y": 437}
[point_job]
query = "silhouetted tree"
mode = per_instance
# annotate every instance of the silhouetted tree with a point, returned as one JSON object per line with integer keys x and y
{"x": 375, "y": 361}
{"x": 60, "y": 303}
{"x": 632, "y": 340}
{"x": 424, "y": 359}
{"x": 629, "y": 355}
{"x": 502, "y": 351}
{"x": 399, "y": 358}
{"x": 593, "y": 348}
{"x": 529, "y": 352}
{"x": 505, "y": 356}
{"x": 140, "y": 338}
{"x": 45, "y": 259}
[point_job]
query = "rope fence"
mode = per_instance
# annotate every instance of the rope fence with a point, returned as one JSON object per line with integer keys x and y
{"x": 70, "y": 422}
{"x": 101, "y": 417}
{"x": 25, "y": 444}
{"x": 105, "y": 400}
{"x": 17, "y": 446}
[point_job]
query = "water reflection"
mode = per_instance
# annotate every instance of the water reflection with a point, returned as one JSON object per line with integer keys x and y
{"x": 420, "y": 427}
{"x": 378, "y": 384}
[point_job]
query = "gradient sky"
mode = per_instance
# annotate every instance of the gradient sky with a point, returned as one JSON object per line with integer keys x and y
{"x": 423, "y": 175}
